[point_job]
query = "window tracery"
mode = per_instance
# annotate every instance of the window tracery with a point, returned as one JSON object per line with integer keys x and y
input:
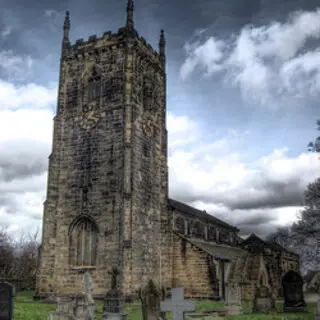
{"x": 83, "y": 243}
{"x": 147, "y": 94}
{"x": 198, "y": 230}
{"x": 212, "y": 234}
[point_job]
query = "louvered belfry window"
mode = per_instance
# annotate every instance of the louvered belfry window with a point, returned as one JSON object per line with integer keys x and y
{"x": 83, "y": 243}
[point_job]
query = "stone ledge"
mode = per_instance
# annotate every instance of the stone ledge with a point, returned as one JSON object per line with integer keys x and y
{"x": 83, "y": 269}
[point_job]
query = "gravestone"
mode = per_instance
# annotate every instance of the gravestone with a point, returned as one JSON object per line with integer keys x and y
{"x": 111, "y": 303}
{"x": 234, "y": 305}
{"x": 80, "y": 307}
{"x": 177, "y": 305}
{"x": 65, "y": 309}
{"x": 7, "y": 292}
{"x": 150, "y": 302}
{"x": 263, "y": 300}
{"x": 292, "y": 284}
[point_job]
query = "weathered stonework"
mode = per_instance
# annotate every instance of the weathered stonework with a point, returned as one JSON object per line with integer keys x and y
{"x": 107, "y": 202}
{"x": 107, "y": 174}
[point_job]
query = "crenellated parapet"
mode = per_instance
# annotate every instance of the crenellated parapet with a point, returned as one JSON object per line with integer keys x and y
{"x": 95, "y": 45}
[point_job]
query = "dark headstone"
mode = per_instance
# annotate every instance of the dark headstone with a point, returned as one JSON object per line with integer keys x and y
{"x": 111, "y": 303}
{"x": 150, "y": 298}
{"x": 292, "y": 284}
{"x": 7, "y": 293}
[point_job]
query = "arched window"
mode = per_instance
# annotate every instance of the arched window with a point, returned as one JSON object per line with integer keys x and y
{"x": 147, "y": 94}
{"x": 92, "y": 83}
{"x": 83, "y": 242}
{"x": 94, "y": 86}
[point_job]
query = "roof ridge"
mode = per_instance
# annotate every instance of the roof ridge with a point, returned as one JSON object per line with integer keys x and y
{"x": 204, "y": 214}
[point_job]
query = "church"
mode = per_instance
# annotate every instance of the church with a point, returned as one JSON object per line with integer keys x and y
{"x": 107, "y": 203}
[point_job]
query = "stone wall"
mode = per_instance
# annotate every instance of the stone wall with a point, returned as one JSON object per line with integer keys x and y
{"x": 108, "y": 167}
{"x": 191, "y": 269}
{"x": 145, "y": 168}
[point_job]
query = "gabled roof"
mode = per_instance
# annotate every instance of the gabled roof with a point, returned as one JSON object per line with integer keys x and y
{"x": 255, "y": 240}
{"x": 184, "y": 208}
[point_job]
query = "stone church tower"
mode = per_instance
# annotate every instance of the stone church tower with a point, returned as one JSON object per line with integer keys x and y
{"x": 107, "y": 189}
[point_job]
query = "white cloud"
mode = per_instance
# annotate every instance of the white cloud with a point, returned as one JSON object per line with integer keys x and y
{"x": 270, "y": 64}
{"x": 219, "y": 178}
{"x": 26, "y": 112}
{"x": 29, "y": 96}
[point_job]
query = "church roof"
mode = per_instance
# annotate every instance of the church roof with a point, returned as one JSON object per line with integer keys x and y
{"x": 220, "y": 251}
{"x": 256, "y": 241}
{"x": 184, "y": 208}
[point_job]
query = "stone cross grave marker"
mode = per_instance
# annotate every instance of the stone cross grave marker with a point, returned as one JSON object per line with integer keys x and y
{"x": 7, "y": 293}
{"x": 177, "y": 305}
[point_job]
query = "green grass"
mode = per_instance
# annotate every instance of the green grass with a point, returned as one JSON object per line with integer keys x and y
{"x": 27, "y": 309}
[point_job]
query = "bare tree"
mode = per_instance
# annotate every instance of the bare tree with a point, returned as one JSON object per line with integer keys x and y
{"x": 26, "y": 253}
{"x": 282, "y": 236}
{"x": 6, "y": 253}
{"x": 19, "y": 258}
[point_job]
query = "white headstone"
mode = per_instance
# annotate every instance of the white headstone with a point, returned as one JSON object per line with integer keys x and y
{"x": 234, "y": 305}
{"x": 233, "y": 294}
{"x": 177, "y": 305}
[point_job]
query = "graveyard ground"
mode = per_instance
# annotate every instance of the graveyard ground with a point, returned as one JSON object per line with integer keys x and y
{"x": 27, "y": 309}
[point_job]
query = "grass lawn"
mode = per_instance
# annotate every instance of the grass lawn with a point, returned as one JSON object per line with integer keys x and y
{"x": 27, "y": 309}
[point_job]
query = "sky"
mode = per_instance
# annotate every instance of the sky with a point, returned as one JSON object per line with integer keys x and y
{"x": 243, "y": 92}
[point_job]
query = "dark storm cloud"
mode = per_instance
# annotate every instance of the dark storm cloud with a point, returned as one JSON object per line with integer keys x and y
{"x": 19, "y": 162}
{"x": 233, "y": 14}
{"x": 10, "y": 171}
{"x": 273, "y": 194}
{"x": 255, "y": 220}
{"x": 268, "y": 194}
{"x": 262, "y": 230}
